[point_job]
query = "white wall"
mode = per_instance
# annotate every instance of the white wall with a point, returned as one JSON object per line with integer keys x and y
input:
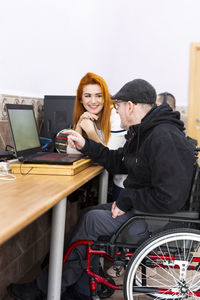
{"x": 46, "y": 46}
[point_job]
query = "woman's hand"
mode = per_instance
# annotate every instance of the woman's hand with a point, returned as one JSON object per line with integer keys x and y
{"x": 116, "y": 212}
{"x": 87, "y": 125}
{"x": 85, "y": 116}
{"x": 75, "y": 139}
{"x": 88, "y": 115}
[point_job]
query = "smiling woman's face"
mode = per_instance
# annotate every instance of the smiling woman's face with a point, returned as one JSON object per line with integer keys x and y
{"x": 92, "y": 98}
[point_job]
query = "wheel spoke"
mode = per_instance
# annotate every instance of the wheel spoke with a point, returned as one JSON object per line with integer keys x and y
{"x": 175, "y": 278}
{"x": 171, "y": 256}
{"x": 160, "y": 276}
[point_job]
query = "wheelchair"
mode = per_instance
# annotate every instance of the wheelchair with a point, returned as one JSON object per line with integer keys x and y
{"x": 159, "y": 252}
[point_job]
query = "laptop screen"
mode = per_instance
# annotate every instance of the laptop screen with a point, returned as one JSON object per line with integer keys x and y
{"x": 23, "y": 128}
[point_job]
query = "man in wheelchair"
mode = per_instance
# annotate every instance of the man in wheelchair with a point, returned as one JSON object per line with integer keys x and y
{"x": 160, "y": 163}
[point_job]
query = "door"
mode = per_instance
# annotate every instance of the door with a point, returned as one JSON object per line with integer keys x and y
{"x": 194, "y": 93}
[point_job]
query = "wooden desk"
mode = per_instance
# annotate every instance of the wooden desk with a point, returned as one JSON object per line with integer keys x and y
{"x": 28, "y": 197}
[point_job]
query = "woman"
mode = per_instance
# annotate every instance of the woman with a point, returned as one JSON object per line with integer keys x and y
{"x": 95, "y": 118}
{"x": 92, "y": 108}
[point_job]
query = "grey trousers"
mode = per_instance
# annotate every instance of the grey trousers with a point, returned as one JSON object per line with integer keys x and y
{"x": 95, "y": 222}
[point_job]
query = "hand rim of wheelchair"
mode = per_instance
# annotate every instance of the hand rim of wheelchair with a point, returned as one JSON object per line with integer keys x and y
{"x": 141, "y": 252}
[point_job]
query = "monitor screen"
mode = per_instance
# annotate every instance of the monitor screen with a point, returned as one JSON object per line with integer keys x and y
{"x": 24, "y": 129}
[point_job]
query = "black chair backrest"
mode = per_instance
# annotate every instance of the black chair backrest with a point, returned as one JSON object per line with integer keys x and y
{"x": 194, "y": 199}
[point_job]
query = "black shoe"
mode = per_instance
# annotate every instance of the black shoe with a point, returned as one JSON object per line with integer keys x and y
{"x": 72, "y": 294}
{"x": 25, "y": 291}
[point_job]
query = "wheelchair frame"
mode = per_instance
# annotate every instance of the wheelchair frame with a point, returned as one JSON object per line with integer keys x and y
{"x": 173, "y": 251}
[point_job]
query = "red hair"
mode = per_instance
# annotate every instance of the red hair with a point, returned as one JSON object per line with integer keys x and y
{"x": 91, "y": 78}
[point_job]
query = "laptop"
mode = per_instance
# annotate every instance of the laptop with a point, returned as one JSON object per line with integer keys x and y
{"x": 26, "y": 140}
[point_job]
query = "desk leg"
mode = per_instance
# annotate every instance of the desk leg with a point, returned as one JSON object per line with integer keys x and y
{"x": 56, "y": 250}
{"x": 103, "y": 187}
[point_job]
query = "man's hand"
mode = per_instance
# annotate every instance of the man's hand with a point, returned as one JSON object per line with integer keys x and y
{"x": 75, "y": 140}
{"x": 116, "y": 212}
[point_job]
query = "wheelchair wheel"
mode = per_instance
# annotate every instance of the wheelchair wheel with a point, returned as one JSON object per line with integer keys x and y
{"x": 166, "y": 266}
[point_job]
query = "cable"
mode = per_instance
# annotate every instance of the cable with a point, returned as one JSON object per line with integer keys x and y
{"x": 11, "y": 148}
{"x": 21, "y": 170}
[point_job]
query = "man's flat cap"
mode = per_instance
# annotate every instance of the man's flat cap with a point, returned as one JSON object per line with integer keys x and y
{"x": 137, "y": 91}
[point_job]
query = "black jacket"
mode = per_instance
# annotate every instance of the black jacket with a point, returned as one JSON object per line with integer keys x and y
{"x": 158, "y": 159}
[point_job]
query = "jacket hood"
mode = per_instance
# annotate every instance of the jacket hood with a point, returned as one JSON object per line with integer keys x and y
{"x": 161, "y": 114}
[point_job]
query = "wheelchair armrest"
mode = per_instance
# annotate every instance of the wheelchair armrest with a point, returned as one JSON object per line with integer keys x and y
{"x": 180, "y": 214}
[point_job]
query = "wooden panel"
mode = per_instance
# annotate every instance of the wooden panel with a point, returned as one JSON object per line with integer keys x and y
{"x": 42, "y": 169}
{"x": 194, "y": 93}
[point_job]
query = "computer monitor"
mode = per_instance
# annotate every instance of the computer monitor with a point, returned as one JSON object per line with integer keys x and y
{"x": 58, "y": 114}
{"x": 23, "y": 128}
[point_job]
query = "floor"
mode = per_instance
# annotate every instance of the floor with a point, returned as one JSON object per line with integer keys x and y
{"x": 117, "y": 295}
